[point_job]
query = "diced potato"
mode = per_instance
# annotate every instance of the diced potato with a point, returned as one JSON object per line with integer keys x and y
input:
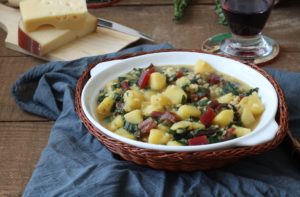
{"x": 117, "y": 123}
{"x": 181, "y": 125}
{"x": 157, "y": 136}
{"x": 224, "y": 118}
{"x": 133, "y": 100}
{"x": 247, "y": 117}
{"x": 186, "y": 111}
{"x": 257, "y": 109}
{"x": 148, "y": 94}
{"x": 157, "y": 81}
{"x": 124, "y": 133}
{"x": 193, "y": 87}
{"x": 202, "y": 67}
{"x": 240, "y": 131}
{"x": 134, "y": 117}
{"x": 160, "y": 99}
{"x": 135, "y": 87}
{"x": 175, "y": 94}
{"x": 147, "y": 108}
{"x": 182, "y": 81}
{"x": 254, "y": 103}
{"x": 105, "y": 106}
{"x": 227, "y": 98}
{"x": 197, "y": 125}
{"x": 244, "y": 101}
{"x": 162, "y": 127}
{"x": 174, "y": 143}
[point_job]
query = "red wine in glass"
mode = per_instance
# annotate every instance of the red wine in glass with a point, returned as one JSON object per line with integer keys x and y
{"x": 247, "y": 17}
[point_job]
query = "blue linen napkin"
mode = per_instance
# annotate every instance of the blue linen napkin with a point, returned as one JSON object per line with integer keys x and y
{"x": 74, "y": 163}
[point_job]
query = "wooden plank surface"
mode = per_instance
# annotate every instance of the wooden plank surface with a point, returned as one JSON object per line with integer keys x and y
{"x": 23, "y": 136}
{"x": 20, "y": 147}
{"x": 195, "y": 28}
{"x": 11, "y": 68}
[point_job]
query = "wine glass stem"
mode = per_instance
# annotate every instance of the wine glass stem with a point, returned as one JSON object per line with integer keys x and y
{"x": 247, "y": 41}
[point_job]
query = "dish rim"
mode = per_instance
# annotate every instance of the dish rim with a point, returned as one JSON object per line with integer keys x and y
{"x": 215, "y": 146}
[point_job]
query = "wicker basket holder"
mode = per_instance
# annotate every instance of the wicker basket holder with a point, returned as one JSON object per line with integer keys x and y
{"x": 183, "y": 161}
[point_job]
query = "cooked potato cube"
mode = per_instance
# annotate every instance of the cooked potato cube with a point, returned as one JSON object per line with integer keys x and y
{"x": 181, "y": 125}
{"x": 227, "y": 98}
{"x": 148, "y": 94}
{"x": 254, "y": 103}
{"x": 186, "y": 111}
{"x": 224, "y": 118}
{"x": 163, "y": 127}
{"x": 134, "y": 117}
{"x": 157, "y": 136}
{"x": 174, "y": 143}
{"x": 202, "y": 67}
{"x": 117, "y": 123}
{"x": 160, "y": 99}
{"x": 182, "y": 81}
{"x": 157, "y": 81}
{"x": 257, "y": 109}
{"x": 135, "y": 87}
{"x": 133, "y": 100}
{"x": 175, "y": 94}
{"x": 124, "y": 133}
{"x": 240, "y": 131}
{"x": 147, "y": 108}
{"x": 105, "y": 106}
{"x": 197, "y": 125}
{"x": 247, "y": 117}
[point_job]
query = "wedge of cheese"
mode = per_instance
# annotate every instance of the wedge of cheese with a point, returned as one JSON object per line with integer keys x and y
{"x": 14, "y": 3}
{"x": 48, "y": 38}
{"x": 62, "y": 14}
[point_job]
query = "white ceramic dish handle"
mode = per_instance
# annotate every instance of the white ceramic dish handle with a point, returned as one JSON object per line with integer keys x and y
{"x": 101, "y": 66}
{"x": 260, "y": 137}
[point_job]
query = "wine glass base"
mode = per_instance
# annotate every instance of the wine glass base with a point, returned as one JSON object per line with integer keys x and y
{"x": 213, "y": 45}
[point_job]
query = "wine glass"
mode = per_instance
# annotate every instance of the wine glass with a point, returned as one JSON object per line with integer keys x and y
{"x": 246, "y": 19}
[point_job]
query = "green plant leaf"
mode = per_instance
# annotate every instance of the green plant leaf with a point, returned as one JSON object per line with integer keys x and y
{"x": 179, "y": 7}
{"x": 218, "y": 10}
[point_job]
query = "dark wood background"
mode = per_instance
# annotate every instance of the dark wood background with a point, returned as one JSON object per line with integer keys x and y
{"x": 23, "y": 136}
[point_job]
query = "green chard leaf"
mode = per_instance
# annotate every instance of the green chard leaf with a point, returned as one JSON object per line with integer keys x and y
{"x": 218, "y": 10}
{"x": 179, "y": 7}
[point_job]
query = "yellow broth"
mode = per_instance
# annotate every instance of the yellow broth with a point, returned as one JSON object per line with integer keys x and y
{"x": 179, "y": 105}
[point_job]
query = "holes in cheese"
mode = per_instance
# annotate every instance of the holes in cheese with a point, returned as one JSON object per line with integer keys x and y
{"x": 47, "y": 38}
{"x": 62, "y": 14}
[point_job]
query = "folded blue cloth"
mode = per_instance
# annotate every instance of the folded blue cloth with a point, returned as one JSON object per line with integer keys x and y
{"x": 74, "y": 163}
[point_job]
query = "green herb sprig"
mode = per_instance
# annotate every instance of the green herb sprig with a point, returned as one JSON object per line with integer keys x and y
{"x": 179, "y": 7}
{"x": 218, "y": 10}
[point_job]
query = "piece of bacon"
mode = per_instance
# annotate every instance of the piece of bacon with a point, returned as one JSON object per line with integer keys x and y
{"x": 207, "y": 117}
{"x": 165, "y": 116}
{"x": 213, "y": 79}
{"x": 145, "y": 76}
{"x": 125, "y": 85}
{"x": 179, "y": 74}
{"x": 147, "y": 125}
{"x": 199, "y": 140}
{"x": 156, "y": 114}
{"x": 170, "y": 116}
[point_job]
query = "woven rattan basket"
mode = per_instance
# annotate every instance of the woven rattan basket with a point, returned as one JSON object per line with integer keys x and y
{"x": 182, "y": 161}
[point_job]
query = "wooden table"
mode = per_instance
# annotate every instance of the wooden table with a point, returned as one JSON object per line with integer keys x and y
{"x": 23, "y": 136}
